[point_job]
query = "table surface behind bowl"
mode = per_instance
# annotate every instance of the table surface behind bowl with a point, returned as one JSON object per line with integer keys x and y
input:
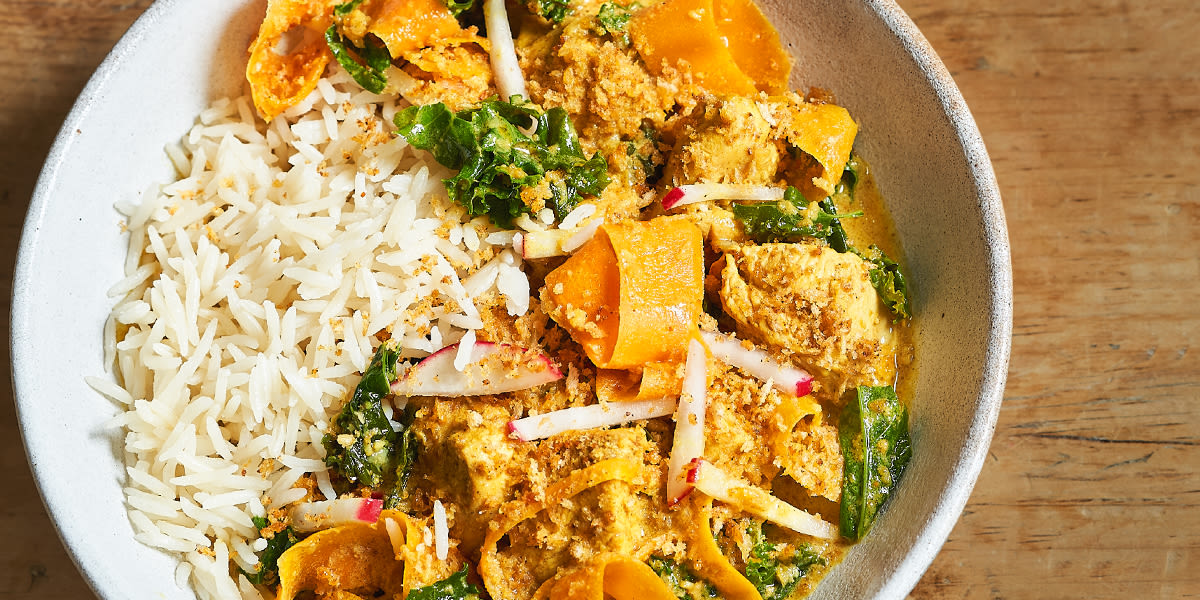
{"x": 1091, "y": 112}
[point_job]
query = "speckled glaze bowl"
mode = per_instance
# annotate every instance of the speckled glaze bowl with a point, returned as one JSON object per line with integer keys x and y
{"x": 916, "y": 132}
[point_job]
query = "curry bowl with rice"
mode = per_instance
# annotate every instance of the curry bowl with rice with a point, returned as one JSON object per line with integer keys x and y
{"x": 594, "y": 306}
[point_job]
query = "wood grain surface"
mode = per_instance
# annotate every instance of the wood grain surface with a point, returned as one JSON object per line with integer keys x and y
{"x": 1091, "y": 112}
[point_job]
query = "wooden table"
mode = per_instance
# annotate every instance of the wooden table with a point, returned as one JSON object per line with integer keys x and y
{"x": 1091, "y": 112}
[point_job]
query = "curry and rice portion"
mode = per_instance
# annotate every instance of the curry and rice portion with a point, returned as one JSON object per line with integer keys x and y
{"x": 569, "y": 298}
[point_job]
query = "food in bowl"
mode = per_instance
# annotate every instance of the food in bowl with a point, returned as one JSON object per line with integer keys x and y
{"x": 595, "y": 308}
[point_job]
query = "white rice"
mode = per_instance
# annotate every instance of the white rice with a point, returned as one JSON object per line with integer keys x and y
{"x": 256, "y": 288}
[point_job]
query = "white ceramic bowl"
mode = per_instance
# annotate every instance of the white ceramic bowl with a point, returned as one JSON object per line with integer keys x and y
{"x": 915, "y": 131}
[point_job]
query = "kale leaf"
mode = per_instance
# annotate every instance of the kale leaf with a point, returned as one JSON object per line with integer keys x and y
{"x": 887, "y": 279}
{"x": 873, "y": 432}
{"x": 614, "y": 19}
{"x": 366, "y": 64}
{"x": 496, "y": 159}
{"x": 454, "y": 587}
{"x": 268, "y": 561}
{"x": 362, "y": 446}
{"x": 776, "y": 576}
{"x": 682, "y": 581}
{"x": 553, "y": 10}
{"x": 458, "y": 7}
{"x": 792, "y": 219}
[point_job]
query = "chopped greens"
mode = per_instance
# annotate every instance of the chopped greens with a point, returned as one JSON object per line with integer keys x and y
{"x": 792, "y": 219}
{"x": 454, "y": 587}
{"x": 375, "y": 59}
{"x": 268, "y": 561}
{"x": 458, "y": 7}
{"x": 499, "y": 164}
{"x": 553, "y": 10}
{"x": 362, "y": 445}
{"x": 346, "y": 8}
{"x": 682, "y": 581}
{"x": 772, "y": 571}
{"x": 614, "y": 19}
{"x": 887, "y": 279}
{"x": 873, "y": 432}
{"x": 850, "y": 176}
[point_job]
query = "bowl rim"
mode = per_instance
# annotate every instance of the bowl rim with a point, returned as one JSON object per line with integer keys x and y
{"x": 952, "y": 498}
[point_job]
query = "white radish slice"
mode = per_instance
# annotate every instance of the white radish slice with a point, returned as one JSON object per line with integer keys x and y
{"x": 759, "y": 364}
{"x": 441, "y": 533}
{"x": 556, "y": 242}
{"x": 507, "y": 70}
{"x": 490, "y": 369}
{"x": 314, "y": 516}
{"x": 711, "y": 480}
{"x": 592, "y": 416}
{"x": 689, "y": 422}
{"x": 703, "y": 192}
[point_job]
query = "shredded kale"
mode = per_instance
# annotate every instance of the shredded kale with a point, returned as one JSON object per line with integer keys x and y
{"x": 614, "y": 19}
{"x": 792, "y": 219}
{"x": 366, "y": 64}
{"x": 458, "y": 7}
{"x": 850, "y": 177}
{"x": 553, "y": 10}
{"x": 454, "y": 587}
{"x": 772, "y": 572}
{"x": 268, "y": 560}
{"x": 887, "y": 279}
{"x": 362, "y": 446}
{"x": 346, "y": 8}
{"x": 496, "y": 159}
{"x": 682, "y": 581}
{"x": 876, "y": 447}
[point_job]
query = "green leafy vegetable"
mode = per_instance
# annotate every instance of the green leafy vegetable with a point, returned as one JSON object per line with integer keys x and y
{"x": 366, "y": 64}
{"x": 553, "y": 10}
{"x": 268, "y": 560}
{"x": 887, "y": 279}
{"x": 682, "y": 581}
{"x": 873, "y": 432}
{"x": 774, "y": 572}
{"x": 850, "y": 176}
{"x": 496, "y": 159}
{"x": 614, "y": 19}
{"x": 346, "y": 8}
{"x": 362, "y": 446}
{"x": 793, "y": 219}
{"x": 458, "y": 7}
{"x": 454, "y": 587}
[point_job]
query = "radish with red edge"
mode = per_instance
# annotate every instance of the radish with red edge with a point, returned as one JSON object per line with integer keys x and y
{"x": 689, "y": 422}
{"x": 712, "y": 481}
{"x": 314, "y": 516}
{"x": 490, "y": 369}
{"x": 593, "y": 416}
{"x": 759, "y": 364}
{"x": 703, "y": 192}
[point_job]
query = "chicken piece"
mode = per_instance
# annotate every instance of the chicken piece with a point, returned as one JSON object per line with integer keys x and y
{"x": 812, "y": 456}
{"x": 723, "y": 141}
{"x": 468, "y": 457}
{"x": 613, "y": 516}
{"x": 815, "y": 305}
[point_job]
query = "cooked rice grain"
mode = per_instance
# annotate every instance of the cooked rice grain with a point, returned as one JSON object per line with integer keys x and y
{"x": 256, "y": 289}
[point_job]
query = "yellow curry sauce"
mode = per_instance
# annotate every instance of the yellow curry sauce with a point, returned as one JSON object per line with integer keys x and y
{"x": 684, "y": 92}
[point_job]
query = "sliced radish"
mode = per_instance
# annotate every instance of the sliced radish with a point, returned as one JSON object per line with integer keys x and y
{"x": 758, "y": 363}
{"x": 490, "y": 369}
{"x": 505, "y": 66}
{"x": 703, "y": 192}
{"x": 689, "y": 422}
{"x": 441, "y": 533}
{"x": 714, "y": 482}
{"x": 592, "y": 416}
{"x": 314, "y": 516}
{"x": 556, "y": 242}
